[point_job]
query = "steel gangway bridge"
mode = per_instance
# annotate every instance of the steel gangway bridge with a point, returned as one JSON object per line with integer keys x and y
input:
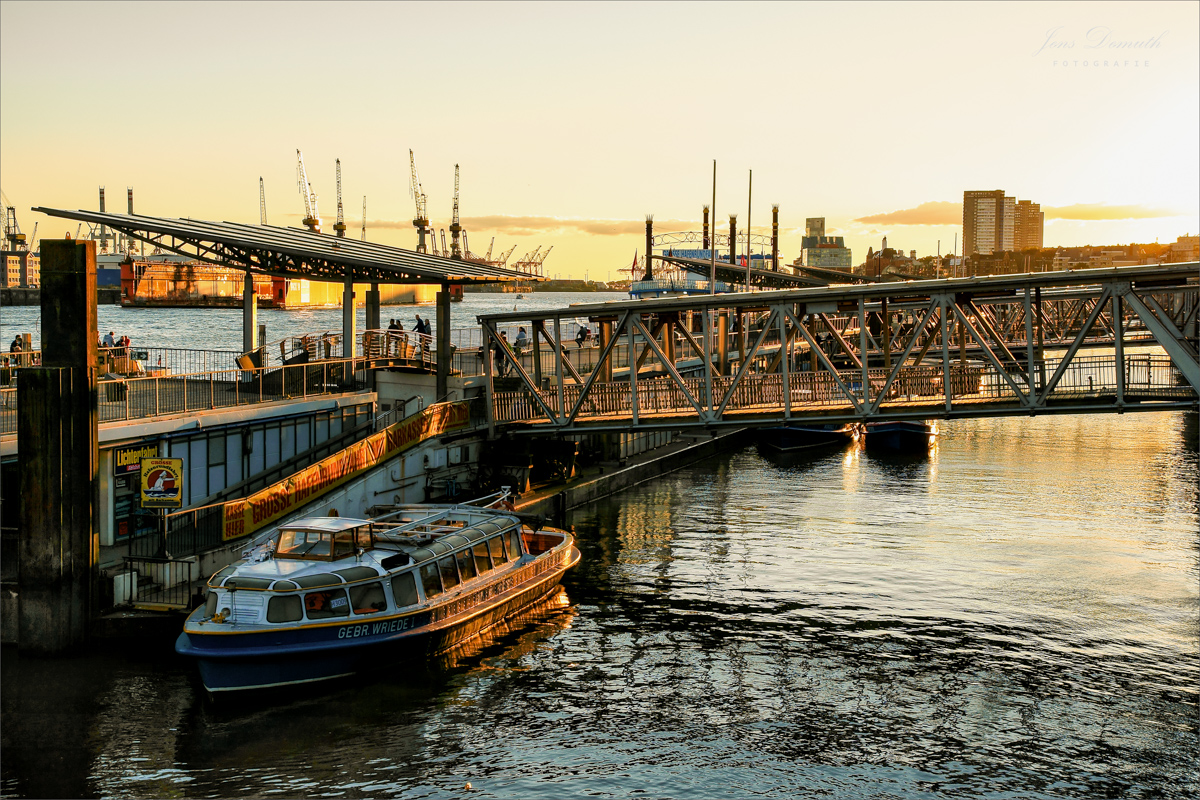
{"x": 1107, "y": 340}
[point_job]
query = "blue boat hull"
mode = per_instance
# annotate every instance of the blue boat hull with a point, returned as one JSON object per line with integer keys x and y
{"x": 900, "y": 437}
{"x": 265, "y": 659}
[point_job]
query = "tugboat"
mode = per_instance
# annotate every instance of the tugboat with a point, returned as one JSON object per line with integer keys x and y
{"x": 788, "y": 438}
{"x": 901, "y": 436}
{"x": 328, "y": 597}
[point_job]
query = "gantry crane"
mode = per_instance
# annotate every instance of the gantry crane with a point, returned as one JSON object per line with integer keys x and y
{"x": 262, "y": 202}
{"x": 502, "y": 259}
{"x": 339, "y": 227}
{"x": 455, "y": 228}
{"x": 312, "y": 217}
{"x": 364, "y": 230}
{"x": 421, "y": 221}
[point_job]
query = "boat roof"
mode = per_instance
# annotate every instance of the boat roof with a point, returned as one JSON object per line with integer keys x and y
{"x": 330, "y": 524}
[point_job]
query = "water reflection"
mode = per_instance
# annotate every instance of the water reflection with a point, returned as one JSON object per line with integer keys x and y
{"x": 1016, "y": 613}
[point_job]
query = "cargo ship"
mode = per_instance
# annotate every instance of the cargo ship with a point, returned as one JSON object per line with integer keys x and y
{"x": 174, "y": 281}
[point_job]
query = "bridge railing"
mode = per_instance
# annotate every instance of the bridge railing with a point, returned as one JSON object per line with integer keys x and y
{"x": 1145, "y": 376}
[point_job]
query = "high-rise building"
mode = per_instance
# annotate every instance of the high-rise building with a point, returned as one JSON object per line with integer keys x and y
{"x": 819, "y": 250}
{"x": 989, "y": 222}
{"x": 1030, "y": 222}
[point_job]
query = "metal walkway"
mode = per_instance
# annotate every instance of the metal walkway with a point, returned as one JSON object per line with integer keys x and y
{"x": 944, "y": 348}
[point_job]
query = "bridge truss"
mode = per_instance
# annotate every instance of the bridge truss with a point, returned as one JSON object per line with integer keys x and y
{"x": 1084, "y": 341}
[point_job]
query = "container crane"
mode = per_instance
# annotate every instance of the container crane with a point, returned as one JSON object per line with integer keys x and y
{"x": 502, "y": 259}
{"x": 421, "y": 221}
{"x": 312, "y": 217}
{"x": 455, "y": 227}
{"x": 262, "y": 202}
{"x": 488, "y": 256}
{"x": 339, "y": 227}
{"x": 364, "y": 229}
{"x": 445, "y": 250}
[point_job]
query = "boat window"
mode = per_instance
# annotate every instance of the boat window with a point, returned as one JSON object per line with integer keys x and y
{"x": 431, "y": 581}
{"x": 514, "y": 544}
{"x": 319, "y": 548}
{"x": 285, "y": 608}
{"x": 368, "y": 598}
{"x": 404, "y": 590}
{"x": 466, "y": 565}
{"x": 343, "y": 544}
{"x": 449, "y": 572}
{"x": 496, "y": 545}
{"x": 323, "y": 605}
{"x": 482, "y": 562}
{"x": 210, "y": 605}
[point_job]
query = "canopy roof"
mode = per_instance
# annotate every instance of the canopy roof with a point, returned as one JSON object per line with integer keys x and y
{"x": 293, "y": 252}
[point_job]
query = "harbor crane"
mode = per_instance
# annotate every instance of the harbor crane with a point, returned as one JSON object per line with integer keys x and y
{"x": 421, "y": 221}
{"x": 455, "y": 227}
{"x": 364, "y": 228}
{"x": 262, "y": 202}
{"x": 339, "y": 227}
{"x": 13, "y": 238}
{"x": 488, "y": 255}
{"x": 312, "y": 217}
{"x": 445, "y": 250}
{"x": 502, "y": 259}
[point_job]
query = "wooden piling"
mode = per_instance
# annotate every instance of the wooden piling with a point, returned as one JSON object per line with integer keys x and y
{"x": 57, "y": 445}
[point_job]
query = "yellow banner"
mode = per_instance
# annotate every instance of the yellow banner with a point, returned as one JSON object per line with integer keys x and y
{"x": 260, "y": 509}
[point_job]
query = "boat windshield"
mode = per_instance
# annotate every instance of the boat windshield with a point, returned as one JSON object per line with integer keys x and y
{"x": 304, "y": 544}
{"x": 322, "y": 545}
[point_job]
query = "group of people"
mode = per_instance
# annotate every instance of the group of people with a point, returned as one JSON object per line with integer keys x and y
{"x": 117, "y": 345}
{"x": 397, "y": 336}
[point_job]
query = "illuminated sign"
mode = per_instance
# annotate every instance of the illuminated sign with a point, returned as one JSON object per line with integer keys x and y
{"x": 264, "y": 507}
{"x": 129, "y": 459}
{"x": 162, "y": 482}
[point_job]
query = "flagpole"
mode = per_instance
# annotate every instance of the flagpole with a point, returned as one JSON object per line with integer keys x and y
{"x": 749, "y": 197}
{"x": 712, "y": 252}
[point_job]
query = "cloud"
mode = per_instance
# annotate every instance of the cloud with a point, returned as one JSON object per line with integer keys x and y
{"x": 936, "y": 212}
{"x": 1102, "y": 211}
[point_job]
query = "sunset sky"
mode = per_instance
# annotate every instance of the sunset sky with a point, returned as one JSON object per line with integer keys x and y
{"x": 573, "y": 121}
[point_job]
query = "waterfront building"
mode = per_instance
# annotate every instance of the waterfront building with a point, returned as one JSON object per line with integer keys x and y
{"x": 989, "y": 220}
{"x": 819, "y": 250}
{"x": 1185, "y": 249}
{"x": 22, "y": 269}
{"x": 1030, "y": 221}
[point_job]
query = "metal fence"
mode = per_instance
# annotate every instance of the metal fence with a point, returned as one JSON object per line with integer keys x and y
{"x": 163, "y": 581}
{"x": 138, "y": 398}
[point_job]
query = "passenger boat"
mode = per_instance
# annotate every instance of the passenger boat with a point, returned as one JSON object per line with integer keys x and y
{"x": 327, "y": 597}
{"x": 787, "y": 438}
{"x": 901, "y": 436}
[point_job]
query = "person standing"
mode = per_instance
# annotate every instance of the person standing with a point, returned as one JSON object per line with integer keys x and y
{"x": 109, "y": 341}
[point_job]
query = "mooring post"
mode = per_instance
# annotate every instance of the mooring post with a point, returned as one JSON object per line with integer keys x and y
{"x": 57, "y": 442}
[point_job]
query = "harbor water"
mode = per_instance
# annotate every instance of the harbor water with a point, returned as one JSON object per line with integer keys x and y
{"x": 1015, "y": 614}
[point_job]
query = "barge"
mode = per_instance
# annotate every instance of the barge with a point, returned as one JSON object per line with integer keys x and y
{"x": 329, "y": 597}
{"x": 788, "y": 438}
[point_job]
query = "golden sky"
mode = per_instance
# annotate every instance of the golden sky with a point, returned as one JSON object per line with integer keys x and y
{"x": 573, "y": 121}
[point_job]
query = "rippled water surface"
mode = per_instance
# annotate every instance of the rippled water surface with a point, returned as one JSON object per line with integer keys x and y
{"x": 1014, "y": 616}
